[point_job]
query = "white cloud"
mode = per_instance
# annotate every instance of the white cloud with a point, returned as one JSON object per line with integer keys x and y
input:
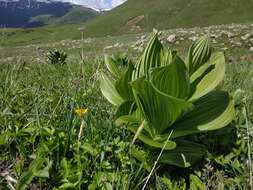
{"x": 116, "y": 3}
{"x": 97, "y": 4}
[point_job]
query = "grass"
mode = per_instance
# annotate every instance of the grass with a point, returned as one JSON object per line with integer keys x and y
{"x": 42, "y": 147}
{"x": 14, "y": 37}
{"x": 41, "y": 112}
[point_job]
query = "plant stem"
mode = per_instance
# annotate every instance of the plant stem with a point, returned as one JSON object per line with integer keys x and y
{"x": 249, "y": 149}
{"x": 78, "y": 152}
{"x": 138, "y": 131}
{"x": 159, "y": 156}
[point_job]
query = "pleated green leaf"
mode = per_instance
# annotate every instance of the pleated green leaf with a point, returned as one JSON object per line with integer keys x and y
{"x": 133, "y": 125}
{"x": 124, "y": 109}
{"x": 199, "y": 53}
{"x": 149, "y": 141}
{"x": 172, "y": 79}
{"x": 159, "y": 109}
{"x": 213, "y": 111}
{"x": 208, "y": 76}
{"x": 112, "y": 67}
{"x": 151, "y": 58}
{"x": 109, "y": 91}
{"x": 184, "y": 155}
{"x": 123, "y": 84}
{"x": 167, "y": 56}
{"x": 127, "y": 119}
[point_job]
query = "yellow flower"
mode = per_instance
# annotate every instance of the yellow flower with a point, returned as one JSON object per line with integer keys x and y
{"x": 81, "y": 111}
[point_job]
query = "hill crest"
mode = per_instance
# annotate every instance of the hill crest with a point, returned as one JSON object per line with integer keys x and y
{"x": 34, "y": 13}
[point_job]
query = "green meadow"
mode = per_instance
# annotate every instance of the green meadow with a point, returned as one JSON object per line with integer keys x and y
{"x": 58, "y": 131}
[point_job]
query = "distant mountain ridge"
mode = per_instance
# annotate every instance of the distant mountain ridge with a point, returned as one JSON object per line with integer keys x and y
{"x": 143, "y": 15}
{"x": 33, "y": 13}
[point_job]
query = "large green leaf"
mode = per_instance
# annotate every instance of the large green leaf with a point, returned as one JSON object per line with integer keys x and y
{"x": 159, "y": 109}
{"x": 213, "y": 111}
{"x": 199, "y": 53}
{"x": 123, "y": 84}
{"x": 151, "y": 58}
{"x": 172, "y": 79}
{"x": 208, "y": 76}
{"x": 116, "y": 64}
{"x": 127, "y": 120}
{"x": 109, "y": 91}
{"x": 153, "y": 142}
{"x": 167, "y": 56}
{"x": 184, "y": 155}
{"x": 133, "y": 125}
{"x": 125, "y": 108}
{"x": 112, "y": 67}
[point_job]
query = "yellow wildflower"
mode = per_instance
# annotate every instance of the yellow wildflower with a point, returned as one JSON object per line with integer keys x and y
{"x": 81, "y": 111}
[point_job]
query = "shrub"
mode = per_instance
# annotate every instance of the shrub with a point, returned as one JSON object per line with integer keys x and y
{"x": 57, "y": 57}
{"x": 165, "y": 101}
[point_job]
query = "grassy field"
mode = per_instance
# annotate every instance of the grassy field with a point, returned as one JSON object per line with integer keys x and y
{"x": 45, "y": 144}
{"x": 21, "y": 44}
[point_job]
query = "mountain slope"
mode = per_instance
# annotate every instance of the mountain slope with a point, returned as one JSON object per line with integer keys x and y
{"x": 144, "y": 15}
{"x": 77, "y": 14}
{"x": 33, "y": 13}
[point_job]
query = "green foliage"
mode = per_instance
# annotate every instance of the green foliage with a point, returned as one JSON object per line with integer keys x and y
{"x": 37, "y": 101}
{"x": 40, "y": 131}
{"x": 39, "y": 167}
{"x": 162, "y": 93}
{"x": 57, "y": 57}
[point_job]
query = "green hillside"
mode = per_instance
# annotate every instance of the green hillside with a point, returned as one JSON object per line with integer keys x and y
{"x": 52, "y": 33}
{"x": 138, "y": 16}
{"x": 144, "y": 15}
{"x": 77, "y": 14}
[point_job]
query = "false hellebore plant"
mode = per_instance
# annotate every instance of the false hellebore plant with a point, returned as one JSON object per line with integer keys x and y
{"x": 163, "y": 94}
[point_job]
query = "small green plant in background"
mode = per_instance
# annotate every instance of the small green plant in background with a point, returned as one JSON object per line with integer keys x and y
{"x": 57, "y": 57}
{"x": 166, "y": 101}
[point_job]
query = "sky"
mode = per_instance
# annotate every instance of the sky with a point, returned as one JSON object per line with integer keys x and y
{"x": 97, "y": 4}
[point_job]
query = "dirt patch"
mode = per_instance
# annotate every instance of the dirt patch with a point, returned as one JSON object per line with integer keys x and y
{"x": 132, "y": 24}
{"x": 248, "y": 58}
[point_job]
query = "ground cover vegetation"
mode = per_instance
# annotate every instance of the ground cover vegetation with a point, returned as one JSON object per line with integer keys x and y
{"x": 59, "y": 132}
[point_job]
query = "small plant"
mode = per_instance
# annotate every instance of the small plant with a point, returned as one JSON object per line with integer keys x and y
{"x": 57, "y": 57}
{"x": 165, "y": 101}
